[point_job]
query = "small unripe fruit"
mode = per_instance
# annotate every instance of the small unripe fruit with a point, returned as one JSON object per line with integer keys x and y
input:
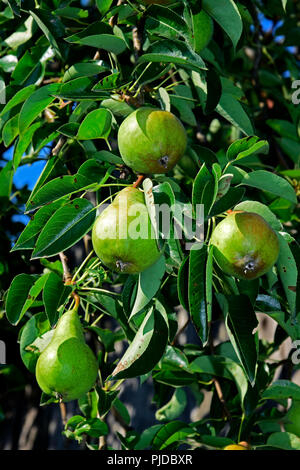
{"x": 151, "y": 141}
{"x": 245, "y": 246}
{"x": 122, "y": 236}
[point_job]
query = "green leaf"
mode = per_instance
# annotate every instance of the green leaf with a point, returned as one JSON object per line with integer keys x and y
{"x": 51, "y": 26}
{"x": 105, "y": 400}
{"x": 96, "y": 125}
{"x": 174, "y": 52}
{"x": 36, "y": 326}
{"x": 204, "y": 189}
{"x": 288, "y": 273}
{"x": 171, "y": 433}
{"x": 66, "y": 227}
{"x": 28, "y": 237}
{"x": 55, "y": 293}
{"x": 282, "y": 389}
{"x": 165, "y": 22}
{"x": 35, "y": 104}
{"x": 284, "y": 440}
{"x": 10, "y": 130}
{"x": 147, "y": 347}
{"x": 6, "y": 179}
{"x": 18, "y": 98}
{"x": 108, "y": 42}
{"x": 261, "y": 209}
{"x": 232, "y": 110}
{"x": 228, "y": 201}
{"x": 226, "y": 13}
{"x": 267, "y": 181}
{"x": 241, "y": 335}
{"x": 103, "y": 5}
{"x": 174, "y": 408}
{"x": 21, "y": 295}
{"x": 23, "y": 143}
{"x": 248, "y": 146}
{"x": 197, "y": 291}
{"x": 222, "y": 367}
{"x": 21, "y": 35}
{"x": 84, "y": 69}
{"x": 148, "y": 285}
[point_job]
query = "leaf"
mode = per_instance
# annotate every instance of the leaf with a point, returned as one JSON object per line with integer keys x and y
{"x": 197, "y": 291}
{"x": 21, "y": 35}
{"x": 103, "y": 5}
{"x": 174, "y": 52}
{"x": 55, "y": 293}
{"x": 28, "y": 237}
{"x": 165, "y": 22}
{"x": 10, "y": 130}
{"x": 268, "y": 181}
{"x": 147, "y": 347}
{"x": 105, "y": 400}
{"x": 288, "y": 273}
{"x": 226, "y": 13}
{"x": 228, "y": 201}
{"x": 232, "y": 110}
{"x": 182, "y": 283}
{"x": 36, "y": 326}
{"x": 84, "y": 69}
{"x": 148, "y": 285}
{"x": 22, "y": 293}
{"x": 260, "y": 209}
{"x": 23, "y": 143}
{"x": 240, "y": 332}
{"x": 66, "y": 227}
{"x": 284, "y": 440}
{"x": 204, "y": 189}
{"x": 51, "y": 26}
{"x": 96, "y": 125}
{"x": 171, "y": 433}
{"x": 174, "y": 408}
{"x": 35, "y": 104}
{"x": 248, "y": 146}
{"x": 18, "y": 98}
{"x": 108, "y": 42}
{"x": 222, "y": 367}
{"x": 282, "y": 389}
{"x": 6, "y": 179}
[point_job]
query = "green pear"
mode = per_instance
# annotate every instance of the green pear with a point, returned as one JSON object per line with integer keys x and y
{"x": 67, "y": 367}
{"x": 245, "y": 245}
{"x": 122, "y": 236}
{"x": 292, "y": 418}
{"x": 151, "y": 140}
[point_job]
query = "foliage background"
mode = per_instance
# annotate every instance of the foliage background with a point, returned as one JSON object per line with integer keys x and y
{"x": 252, "y": 61}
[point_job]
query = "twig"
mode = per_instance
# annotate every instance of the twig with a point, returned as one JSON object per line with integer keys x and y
{"x": 63, "y": 413}
{"x": 221, "y": 397}
{"x": 58, "y": 146}
{"x": 138, "y": 181}
{"x": 68, "y": 277}
{"x": 112, "y": 20}
{"x": 174, "y": 342}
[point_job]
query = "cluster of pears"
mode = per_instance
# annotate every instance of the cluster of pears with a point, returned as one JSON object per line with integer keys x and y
{"x": 150, "y": 141}
{"x": 245, "y": 245}
{"x": 67, "y": 367}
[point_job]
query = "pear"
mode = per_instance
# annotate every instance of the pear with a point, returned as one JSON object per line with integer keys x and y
{"x": 245, "y": 245}
{"x": 151, "y": 140}
{"x": 122, "y": 236}
{"x": 67, "y": 367}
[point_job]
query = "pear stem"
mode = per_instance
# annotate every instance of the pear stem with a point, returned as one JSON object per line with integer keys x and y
{"x": 138, "y": 181}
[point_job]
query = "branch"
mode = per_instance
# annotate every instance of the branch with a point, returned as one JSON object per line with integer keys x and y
{"x": 59, "y": 145}
{"x": 68, "y": 277}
